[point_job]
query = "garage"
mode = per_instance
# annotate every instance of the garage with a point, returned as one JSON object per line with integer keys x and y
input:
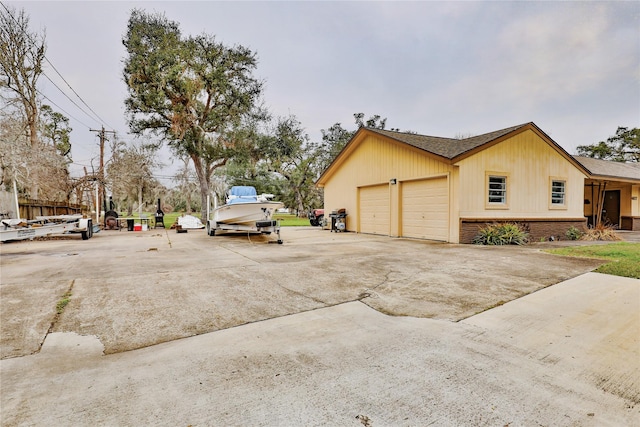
{"x": 405, "y": 184}
{"x": 374, "y": 209}
{"x": 425, "y": 209}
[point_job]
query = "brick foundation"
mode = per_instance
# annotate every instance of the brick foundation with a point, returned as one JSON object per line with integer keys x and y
{"x": 537, "y": 228}
{"x": 631, "y": 223}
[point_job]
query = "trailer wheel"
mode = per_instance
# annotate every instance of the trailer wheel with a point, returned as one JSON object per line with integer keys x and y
{"x": 210, "y": 231}
{"x": 86, "y": 235}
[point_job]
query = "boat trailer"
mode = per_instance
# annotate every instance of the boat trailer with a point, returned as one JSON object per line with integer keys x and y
{"x": 44, "y": 226}
{"x": 262, "y": 227}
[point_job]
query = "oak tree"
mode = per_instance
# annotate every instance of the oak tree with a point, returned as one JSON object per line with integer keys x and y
{"x": 624, "y": 146}
{"x": 190, "y": 90}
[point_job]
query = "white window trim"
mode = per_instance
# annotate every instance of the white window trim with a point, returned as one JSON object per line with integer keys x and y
{"x": 494, "y": 205}
{"x": 557, "y": 206}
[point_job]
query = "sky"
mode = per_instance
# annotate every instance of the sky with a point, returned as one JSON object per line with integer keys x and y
{"x": 436, "y": 68}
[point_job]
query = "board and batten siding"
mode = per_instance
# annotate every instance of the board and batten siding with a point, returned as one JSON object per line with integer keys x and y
{"x": 375, "y": 161}
{"x": 530, "y": 164}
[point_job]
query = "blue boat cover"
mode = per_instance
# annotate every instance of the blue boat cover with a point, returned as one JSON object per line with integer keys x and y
{"x": 243, "y": 193}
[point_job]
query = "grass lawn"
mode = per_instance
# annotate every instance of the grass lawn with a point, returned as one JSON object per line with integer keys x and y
{"x": 168, "y": 220}
{"x": 289, "y": 220}
{"x": 286, "y": 220}
{"x": 623, "y": 257}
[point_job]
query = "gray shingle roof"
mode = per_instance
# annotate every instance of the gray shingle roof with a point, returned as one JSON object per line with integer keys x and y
{"x": 446, "y": 147}
{"x": 608, "y": 168}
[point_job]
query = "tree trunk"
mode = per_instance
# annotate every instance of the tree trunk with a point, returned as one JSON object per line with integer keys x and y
{"x": 31, "y": 111}
{"x": 188, "y": 201}
{"x": 300, "y": 203}
{"x": 203, "y": 180}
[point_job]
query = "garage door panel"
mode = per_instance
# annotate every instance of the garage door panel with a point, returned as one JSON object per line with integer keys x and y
{"x": 425, "y": 209}
{"x": 374, "y": 209}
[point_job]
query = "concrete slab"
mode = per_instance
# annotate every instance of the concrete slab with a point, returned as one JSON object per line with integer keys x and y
{"x": 136, "y": 289}
{"x": 344, "y": 365}
{"x": 588, "y": 325}
{"x": 285, "y": 334}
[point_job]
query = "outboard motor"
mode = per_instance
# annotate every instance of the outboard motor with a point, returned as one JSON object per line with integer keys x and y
{"x": 159, "y": 217}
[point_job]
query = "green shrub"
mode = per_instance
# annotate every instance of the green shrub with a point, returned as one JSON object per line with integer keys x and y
{"x": 573, "y": 233}
{"x": 507, "y": 233}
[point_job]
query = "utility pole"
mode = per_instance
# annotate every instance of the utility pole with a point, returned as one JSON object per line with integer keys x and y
{"x": 102, "y": 133}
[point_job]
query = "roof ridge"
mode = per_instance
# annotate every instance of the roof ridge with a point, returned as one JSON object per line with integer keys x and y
{"x": 448, "y": 148}
{"x": 410, "y": 133}
{"x": 507, "y": 129}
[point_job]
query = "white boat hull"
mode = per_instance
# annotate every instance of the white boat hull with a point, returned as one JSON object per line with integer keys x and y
{"x": 245, "y": 213}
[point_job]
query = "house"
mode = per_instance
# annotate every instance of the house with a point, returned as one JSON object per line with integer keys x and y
{"x": 409, "y": 185}
{"x": 613, "y": 189}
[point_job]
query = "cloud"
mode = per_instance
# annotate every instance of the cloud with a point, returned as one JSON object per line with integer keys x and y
{"x": 439, "y": 68}
{"x": 544, "y": 58}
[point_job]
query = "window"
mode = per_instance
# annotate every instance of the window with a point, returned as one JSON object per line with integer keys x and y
{"x": 498, "y": 189}
{"x": 557, "y": 192}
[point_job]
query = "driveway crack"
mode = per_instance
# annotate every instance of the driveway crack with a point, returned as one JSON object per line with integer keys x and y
{"x": 60, "y": 307}
{"x": 369, "y": 292}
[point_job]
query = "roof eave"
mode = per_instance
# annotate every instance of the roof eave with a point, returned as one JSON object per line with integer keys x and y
{"x": 321, "y": 181}
{"x": 359, "y": 136}
{"x": 528, "y": 126}
{"x": 613, "y": 178}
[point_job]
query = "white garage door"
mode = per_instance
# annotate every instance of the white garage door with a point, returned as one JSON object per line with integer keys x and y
{"x": 374, "y": 209}
{"x": 425, "y": 209}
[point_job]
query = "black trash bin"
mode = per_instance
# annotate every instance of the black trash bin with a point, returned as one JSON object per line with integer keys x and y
{"x": 338, "y": 220}
{"x": 130, "y": 224}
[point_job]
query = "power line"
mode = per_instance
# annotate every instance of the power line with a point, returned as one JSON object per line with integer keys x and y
{"x": 72, "y": 90}
{"x": 33, "y": 43}
{"x": 72, "y": 101}
{"x": 60, "y": 108}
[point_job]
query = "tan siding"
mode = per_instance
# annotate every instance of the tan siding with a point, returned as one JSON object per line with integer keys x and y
{"x": 376, "y": 161}
{"x": 425, "y": 209}
{"x": 374, "y": 209}
{"x": 529, "y": 162}
{"x": 454, "y": 206}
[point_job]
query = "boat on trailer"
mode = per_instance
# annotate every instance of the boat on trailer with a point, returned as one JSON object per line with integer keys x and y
{"x": 245, "y": 210}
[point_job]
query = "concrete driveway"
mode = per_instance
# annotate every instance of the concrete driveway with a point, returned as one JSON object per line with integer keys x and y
{"x": 326, "y": 295}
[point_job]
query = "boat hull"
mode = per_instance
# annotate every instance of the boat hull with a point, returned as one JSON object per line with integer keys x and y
{"x": 245, "y": 213}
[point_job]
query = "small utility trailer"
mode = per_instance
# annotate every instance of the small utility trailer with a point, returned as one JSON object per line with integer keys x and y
{"x": 42, "y": 226}
{"x": 262, "y": 227}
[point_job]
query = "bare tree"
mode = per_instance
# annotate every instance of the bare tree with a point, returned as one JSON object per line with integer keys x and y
{"x": 187, "y": 184}
{"x": 22, "y": 53}
{"x": 14, "y": 150}
{"x": 130, "y": 173}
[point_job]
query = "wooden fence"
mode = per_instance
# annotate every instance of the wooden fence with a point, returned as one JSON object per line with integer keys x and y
{"x": 30, "y": 208}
